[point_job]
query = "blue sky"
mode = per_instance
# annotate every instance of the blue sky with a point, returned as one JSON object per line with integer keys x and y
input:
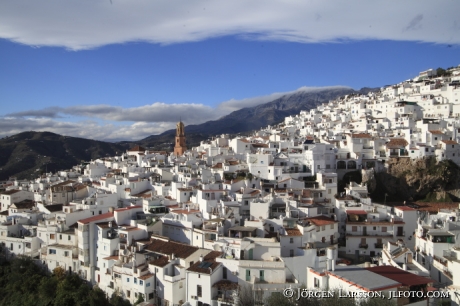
{"x": 124, "y": 70}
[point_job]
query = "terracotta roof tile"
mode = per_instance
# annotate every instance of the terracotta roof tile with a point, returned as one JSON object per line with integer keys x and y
{"x": 361, "y": 135}
{"x": 96, "y": 218}
{"x": 397, "y": 143}
{"x": 293, "y": 232}
{"x": 208, "y": 264}
{"x": 160, "y": 262}
{"x": 180, "y": 250}
{"x": 321, "y": 220}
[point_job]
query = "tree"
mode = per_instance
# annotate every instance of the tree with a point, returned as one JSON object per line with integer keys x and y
{"x": 245, "y": 296}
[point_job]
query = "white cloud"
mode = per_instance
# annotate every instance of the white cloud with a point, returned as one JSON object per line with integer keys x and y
{"x": 233, "y": 105}
{"x": 105, "y": 122}
{"x": 76, "y": 24}
{"x": 85, "y": 128}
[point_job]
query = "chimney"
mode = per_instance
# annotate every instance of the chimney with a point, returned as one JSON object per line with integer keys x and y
{"x": 201, "y": 258}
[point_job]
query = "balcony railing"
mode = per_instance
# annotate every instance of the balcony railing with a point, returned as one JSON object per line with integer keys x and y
{"x": 363, "y": 245}
{"x": 378, "y": 245}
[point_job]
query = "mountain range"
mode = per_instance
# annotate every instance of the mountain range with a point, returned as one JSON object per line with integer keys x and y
{"x": 27, "y": 154}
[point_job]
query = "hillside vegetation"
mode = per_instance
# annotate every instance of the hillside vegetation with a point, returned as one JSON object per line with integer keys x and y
{"x": 28, "y": 154}
{"x": 22, "y": 282}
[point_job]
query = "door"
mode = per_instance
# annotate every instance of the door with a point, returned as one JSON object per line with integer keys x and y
{"x": 262, "y": 275}
{"x": 400, "y": 231}
{"x": 248, "y": 275}
{"x": 251, "y": 254}
{"x": 364, "y": 230}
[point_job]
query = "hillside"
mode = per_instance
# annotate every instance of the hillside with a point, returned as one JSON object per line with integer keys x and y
{"x": 423, "y": 180}
{"x": 253, "y": 118}
{"x": 30, "y": 153}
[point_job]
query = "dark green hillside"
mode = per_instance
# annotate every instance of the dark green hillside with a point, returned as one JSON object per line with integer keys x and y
{"x": 31, "y": 153}
{"x": 22, "y": 282}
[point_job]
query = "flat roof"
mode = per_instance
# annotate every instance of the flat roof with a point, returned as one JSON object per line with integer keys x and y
{"x": 243, "y": 228}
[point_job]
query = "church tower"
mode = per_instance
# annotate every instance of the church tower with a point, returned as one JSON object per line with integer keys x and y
{"x": 180, "y": 147}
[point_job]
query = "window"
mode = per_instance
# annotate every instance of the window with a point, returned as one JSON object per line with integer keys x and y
{"x": 66, "y": 253}
{"x": 141, "y": 282}
{"x": 52, "y": 251}
{"x": 332, "y": 226}
{"x": 135, "y": 280}
{"x": 51, "y": 236}
{"x": 68, "y": 237}
{"x": 316, "y": 282}
{"x": 127, "y": 279}
{"x": 60, "y": 237}
{"x": 128, "y": 293}
{"x": 198, "y": 290}
{"x": 354, "y": 228}
{"x": 224, "y": 273}
{"x": 384, "y": 228}
{"x": 147, "y": 285}
{"x": 323, "y": 227}
{"x": 291, "y": 240}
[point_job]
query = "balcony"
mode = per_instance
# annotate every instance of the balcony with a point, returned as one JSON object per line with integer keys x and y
{"x": 172, "y": 279}
{"x": 378, "y": 245}
{"x": 363, "y": 245}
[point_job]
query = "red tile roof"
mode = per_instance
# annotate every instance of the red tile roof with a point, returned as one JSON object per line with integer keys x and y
{"x": 397, "y": 143}
{"x": 96, "y": 218}
{"x": 160, "y": 262}
{"x": 146, "y": 276}
{"x": 293, "y": 232}
{"x": 321, "y": 220}
{"x": 128, "y": 208}
{"x": 356, "y": 212}
{"x": 180, "y": 250}
{"x": 361, "y": 135}
{"x": 401, "y": 276}
{"x": 211, "y": 265}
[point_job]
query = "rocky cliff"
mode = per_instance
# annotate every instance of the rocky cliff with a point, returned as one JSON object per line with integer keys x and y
{"x": 415, "y": 180}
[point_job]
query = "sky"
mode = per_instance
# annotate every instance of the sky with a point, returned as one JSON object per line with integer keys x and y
{"x": 123, "y": 70}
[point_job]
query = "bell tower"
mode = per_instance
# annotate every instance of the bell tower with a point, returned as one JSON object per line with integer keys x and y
{"x": 179, "y": 147}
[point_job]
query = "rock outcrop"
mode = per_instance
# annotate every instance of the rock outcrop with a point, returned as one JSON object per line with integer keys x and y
{"x": 421, "y": 179}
